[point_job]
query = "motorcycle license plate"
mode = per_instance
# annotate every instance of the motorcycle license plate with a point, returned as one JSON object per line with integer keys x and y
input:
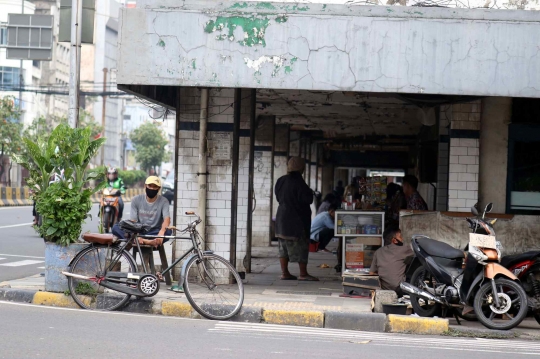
{"x": 482, "y": 241}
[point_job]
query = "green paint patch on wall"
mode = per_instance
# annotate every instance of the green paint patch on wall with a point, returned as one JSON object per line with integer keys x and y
{"x": 194, "y": 64}
{"x": 259, "y": 6}
{"x": 254, "y": 28}
{"x": 161, "y": 43}
{"x": 295, "y": 8}
{"x": 281, "y": 19}
{"x": 239, "y": 6}
{"x": 289, "y": 68}
{"x": 265, "y": 5}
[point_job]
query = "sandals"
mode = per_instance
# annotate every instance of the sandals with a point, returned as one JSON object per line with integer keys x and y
{"x": 291, "y": 277}
{"x": 308, "y": 278}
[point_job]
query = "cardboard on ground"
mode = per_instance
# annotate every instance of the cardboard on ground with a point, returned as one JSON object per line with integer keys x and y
{"x": 482, "y": 241}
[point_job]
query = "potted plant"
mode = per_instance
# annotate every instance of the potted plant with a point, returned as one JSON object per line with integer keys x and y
{"x": 63, "y": 202}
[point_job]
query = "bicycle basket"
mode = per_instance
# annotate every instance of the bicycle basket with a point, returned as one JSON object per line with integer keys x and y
{"x": 133, "y": 227}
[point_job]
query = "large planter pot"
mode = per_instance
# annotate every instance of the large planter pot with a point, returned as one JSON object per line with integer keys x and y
{"x": 57, "y": 259}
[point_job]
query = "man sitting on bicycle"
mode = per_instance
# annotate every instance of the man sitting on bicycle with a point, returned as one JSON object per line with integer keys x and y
{"x": 151, "y": 209}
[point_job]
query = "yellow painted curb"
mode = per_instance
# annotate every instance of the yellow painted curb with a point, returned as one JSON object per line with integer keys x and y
{"x": 177, "y": 309}
{"x": 54, "y": 300}
{"x": 416, "y": 325}
{"x": 298, "y": 318}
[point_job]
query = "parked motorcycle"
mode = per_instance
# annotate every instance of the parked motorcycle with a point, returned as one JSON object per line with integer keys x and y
{"x": 109, "y": 208}
{"x": 483, "y": 285}
{"x": 525, "y": 266}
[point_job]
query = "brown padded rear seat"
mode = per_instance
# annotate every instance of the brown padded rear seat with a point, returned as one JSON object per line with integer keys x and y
{"x": 99, "y": 238}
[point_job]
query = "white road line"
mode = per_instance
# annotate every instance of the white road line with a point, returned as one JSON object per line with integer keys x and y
{"x": 1, "y": 258}
{"x": 270, "y": 329}
{"x": 40, "y": 267}
{"x": 97, "y": 312}
{"x": 21, "y": 263}
{"x": 17, "y": 225}
{"x": 14, "y": 207}
{"x": 16, "y": 255}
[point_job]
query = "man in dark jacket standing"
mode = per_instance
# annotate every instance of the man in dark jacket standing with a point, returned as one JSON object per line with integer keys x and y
{"x": 293, "y": 220}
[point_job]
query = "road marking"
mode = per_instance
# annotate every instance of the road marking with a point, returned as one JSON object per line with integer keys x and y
{"x": 14, "y": 207}
{"x": 95, "y": 312}
{"x": 1, "y": 258}
{"x": 26, "y": 262}
{"x": 16, "y": 255}
{"x": 40, "y": 267}
{"x": 17, "y": 225}
{"x": 272, "y": 330}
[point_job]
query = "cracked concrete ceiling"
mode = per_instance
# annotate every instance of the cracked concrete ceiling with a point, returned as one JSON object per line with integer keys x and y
{"x": 341, "y": 114}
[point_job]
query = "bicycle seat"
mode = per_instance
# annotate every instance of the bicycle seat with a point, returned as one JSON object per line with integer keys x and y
{"x": 133, "y": 227}
{"x": 99, "y": 238}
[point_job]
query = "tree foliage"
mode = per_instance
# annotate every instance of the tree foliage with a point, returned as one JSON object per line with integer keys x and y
{"x": 43, "y": 126}
{"x": 10, "y": 133}
{"x": 149, "y": 141}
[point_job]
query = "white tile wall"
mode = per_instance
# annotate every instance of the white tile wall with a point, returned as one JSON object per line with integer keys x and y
{"x": 463, "y": 157}
{"x": 219, "y": 182}
{"x": 463, "y": 180}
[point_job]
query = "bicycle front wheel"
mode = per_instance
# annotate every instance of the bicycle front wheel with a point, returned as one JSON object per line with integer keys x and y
{"x": 94, "y": 262}
{"x": 213, "y": 287}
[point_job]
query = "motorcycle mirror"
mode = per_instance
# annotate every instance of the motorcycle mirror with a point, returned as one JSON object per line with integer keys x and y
{"x": 474, "y": 210}
{"x": 488, "y": 209}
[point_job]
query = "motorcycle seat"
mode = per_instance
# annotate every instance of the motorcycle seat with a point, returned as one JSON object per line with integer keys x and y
{"x": 99, "y": 238}
{"x": 509, "y": 261}
{"x": 439, "y": 249}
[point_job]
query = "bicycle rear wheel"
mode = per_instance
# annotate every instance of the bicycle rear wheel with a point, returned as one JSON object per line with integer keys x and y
{"x": 93, "y": 262}
{"x": 213, "y": 287}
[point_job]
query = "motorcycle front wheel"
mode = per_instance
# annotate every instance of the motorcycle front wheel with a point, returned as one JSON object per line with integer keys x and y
{"x": 512, "y": 304}
{"x": 107, "y": 222}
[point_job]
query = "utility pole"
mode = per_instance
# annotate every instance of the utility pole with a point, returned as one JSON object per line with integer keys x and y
{"x": 75, "y": 62}
{"x": 21, "y": 78}
{"x": 103, "y": 113}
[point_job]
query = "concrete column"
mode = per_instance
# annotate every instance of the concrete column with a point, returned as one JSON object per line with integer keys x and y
{"x": 263, "y": 180}
{"x": 496, "y": 116}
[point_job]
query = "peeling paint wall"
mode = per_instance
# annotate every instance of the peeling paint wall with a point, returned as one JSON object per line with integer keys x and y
{"x": 292, "y": 46}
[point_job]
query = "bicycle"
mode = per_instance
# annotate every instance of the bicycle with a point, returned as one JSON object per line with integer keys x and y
{"x": 103, "y": 275}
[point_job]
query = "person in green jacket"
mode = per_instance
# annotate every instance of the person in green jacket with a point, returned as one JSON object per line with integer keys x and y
{"x": 117, "y": 183}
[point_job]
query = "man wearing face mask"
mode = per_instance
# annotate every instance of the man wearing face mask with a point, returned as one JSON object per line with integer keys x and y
{"x": 152, "y": 209}
{"x": 389, "y": 261}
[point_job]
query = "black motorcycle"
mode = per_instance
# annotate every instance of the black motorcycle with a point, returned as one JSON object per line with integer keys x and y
{"x": 443, "y": 283}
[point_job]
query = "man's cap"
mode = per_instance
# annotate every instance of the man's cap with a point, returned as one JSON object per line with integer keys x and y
{"x": 153, "y": 180}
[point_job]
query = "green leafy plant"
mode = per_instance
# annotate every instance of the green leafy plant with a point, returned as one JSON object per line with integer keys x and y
{"x": 64, "y": 204}
{"x": 133, "y": 177}
{"x": 84, "y": 288}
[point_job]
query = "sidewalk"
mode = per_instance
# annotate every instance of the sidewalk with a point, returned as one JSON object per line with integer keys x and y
{"x": 271, "y": 300}
{"x": 263, "y": 287}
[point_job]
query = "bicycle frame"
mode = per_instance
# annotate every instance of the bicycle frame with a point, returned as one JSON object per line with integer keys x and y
{"x": 113, "y": 279}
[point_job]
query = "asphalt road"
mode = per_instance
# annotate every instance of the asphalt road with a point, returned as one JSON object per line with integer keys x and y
{"x": 21, "y": 249}
{"x": 44, "y": 332}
